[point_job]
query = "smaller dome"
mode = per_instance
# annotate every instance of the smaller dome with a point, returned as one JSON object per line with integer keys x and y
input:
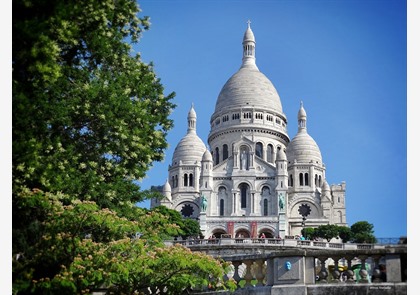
{"x": 166, "y": 187}
{"x": 325, "y": 186}
{"x": 303, "y": 149}
{"x": 302, "y": 112}
{"x": 189, "y": 150}
{"x": 207, "y": 156}
{"x": 192, "y": 114}
{"x": 281, "y": 156}
{"x": 249, "y": 35}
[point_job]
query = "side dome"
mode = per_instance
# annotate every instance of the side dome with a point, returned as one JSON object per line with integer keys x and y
{"x": 190, "y": 148}
{"x": 303, "y": 148}
{"x": 207, "y": 156}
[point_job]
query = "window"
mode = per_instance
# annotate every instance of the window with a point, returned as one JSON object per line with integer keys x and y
{"x": 185, "y": 179}
{"x": 291, "y": 180}
{"x": 306, "y": 179}
{"x": 316, "y": 180}
{"x": 265, "y": 207}
{"x": 270, "y": 153}
{"x": 301, "y": 179}
{"x": 176, "y": 180}
{"x": 225, "y": 152}
{"x": 173, "y": 181}
{"x": 217, "y": 156}
{"x": 222, "y": 207}
{"x": 191, "y": 180}
{"x": 258, "y": 149}
{"x": 244, "y": 191}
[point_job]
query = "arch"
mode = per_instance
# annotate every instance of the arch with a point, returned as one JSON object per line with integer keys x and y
{"x": 217, "y": 156}
{"x": 306, "y": 179}
{"x": 242, "y": 233}
{"x": 319, "y": 180}
{"x": 269, "y": 234}
{"x": 225, "y": 152}
{"x": 270, "y": 154}
{"x": 173, "y": 181}
{"x": 340, "y": 216}
{"x": 316, "y": 180}
{"x": 300, "y": 179}
{"x": 259, "y": 149}
{"x": 176, "y": 180}
{"x": 185, "y": 179}
{"x": 218, "y": 232}
{"x": 191, "y": 180}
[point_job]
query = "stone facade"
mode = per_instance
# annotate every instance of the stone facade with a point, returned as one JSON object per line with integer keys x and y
{"x": 253, "y": 179}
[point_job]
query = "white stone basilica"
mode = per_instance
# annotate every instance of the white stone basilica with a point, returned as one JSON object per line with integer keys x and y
{"x": 253, "y": 180}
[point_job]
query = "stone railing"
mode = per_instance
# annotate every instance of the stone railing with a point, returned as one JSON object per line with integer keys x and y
{"x": 271, "y": 266}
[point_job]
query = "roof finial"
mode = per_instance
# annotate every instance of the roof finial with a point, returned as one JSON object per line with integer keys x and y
{"x": 249, "y": 23}
{"x": 301, "y": 104}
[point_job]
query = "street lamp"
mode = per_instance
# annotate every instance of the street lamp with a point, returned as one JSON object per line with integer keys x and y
{"x": 304, "y": 210}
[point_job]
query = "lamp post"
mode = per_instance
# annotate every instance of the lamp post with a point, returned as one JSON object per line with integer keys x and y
{"x": 304, "y": 210}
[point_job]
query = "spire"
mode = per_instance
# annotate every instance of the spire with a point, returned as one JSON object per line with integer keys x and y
{"x": 302, "y": 118}
{"x": 248, "y": 45}
{"x": 192, "y": 118}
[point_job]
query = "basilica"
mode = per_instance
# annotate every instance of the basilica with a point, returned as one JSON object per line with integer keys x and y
{"x": 253, "y": 179}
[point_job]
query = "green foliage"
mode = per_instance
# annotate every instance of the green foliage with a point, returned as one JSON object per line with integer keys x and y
{"x": 188, "y": 227}
{"x": 308, "y": 233}
{"x": 327, "y": 231}
{"x": 344, "y": 233}
{"x": 362, "y": 232}
{"x": 89, "y": 116}
{"x": 79, "y": 248}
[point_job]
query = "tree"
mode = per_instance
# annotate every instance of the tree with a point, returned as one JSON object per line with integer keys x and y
{"x": 308, "y": 233}
{"x": 89, "y": 117}
{"x": 344, "y": 233}
{"x": 362, "y": 232}
{"x": 80, "y": 248}
{"x": 188, "y": 227}
{"x": 327, "y": 231}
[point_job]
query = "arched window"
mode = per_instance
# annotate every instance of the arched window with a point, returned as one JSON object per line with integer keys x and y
{"x": 265, "y": 207}
{"x": 191, "y": 180}
{"x": 225, "y": 152}
{"x": 217, "y": 156}
{"x": 270, "y": 153}
{"x": 258, "y": 149}
{"x": 244, "y": 192}
{"x": 306, "y": 179}
{"x": 291, "y": 180}
{"x": 176, "y": 180}
{"x": 319, "y": 181}
{"x": 173, "y": 181}
{"x": 185, "y": 179}
{"x": 301, "y": 179}
{"x": 222, "y": 207}
{"x": 316, "y": 180}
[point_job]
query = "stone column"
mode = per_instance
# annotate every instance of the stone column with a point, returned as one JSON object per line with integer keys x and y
{"x": 393, "y": 268}
{"x": 248, "y": 274}
{"x": 259, "y": 275}
{"x": 236, "y": 275}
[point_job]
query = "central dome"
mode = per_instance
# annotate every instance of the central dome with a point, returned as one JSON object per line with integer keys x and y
{"x": 248, "y": 87}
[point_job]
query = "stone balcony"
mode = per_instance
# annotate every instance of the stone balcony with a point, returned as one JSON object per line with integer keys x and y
{"x": 288, "y": 266}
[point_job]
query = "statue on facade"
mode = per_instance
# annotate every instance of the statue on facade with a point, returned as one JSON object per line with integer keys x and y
{"x": 243, "y": 160}
{"x": 203, "y": 203}
{"x": 281, "y": 202}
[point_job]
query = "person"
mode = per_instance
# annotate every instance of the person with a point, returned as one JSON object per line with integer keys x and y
{"x": 262, "y": 236}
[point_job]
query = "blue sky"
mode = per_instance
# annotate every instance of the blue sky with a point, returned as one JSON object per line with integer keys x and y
{"x": 346, "y": 60}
